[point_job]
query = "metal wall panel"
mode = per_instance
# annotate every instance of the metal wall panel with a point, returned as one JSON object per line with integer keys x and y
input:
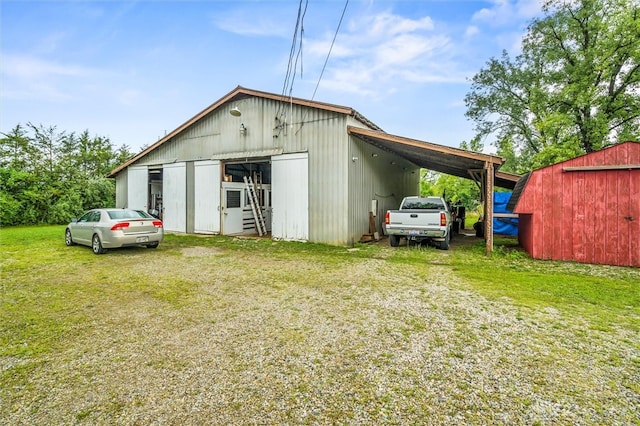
{"x": 138, "y": 188}
{"x": 207, "y": 197}
{"x": 335, "y": 182}
{"x": 376, "y": 175}
{"x": 290, "y": 192}
{"x": 174, "y": 183}
{"x": 121, "y": 189}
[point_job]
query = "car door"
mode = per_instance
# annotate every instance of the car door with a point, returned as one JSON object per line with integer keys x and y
{"x": 84, "y": 227}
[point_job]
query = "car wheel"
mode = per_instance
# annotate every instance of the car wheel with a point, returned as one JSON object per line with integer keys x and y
{"x": 394, "y": 240}
{"x": 444, "y": 245}
{"x": 153, "y": 245}
{"x": 68, "y": 239}
{"x": 96, "y": 245}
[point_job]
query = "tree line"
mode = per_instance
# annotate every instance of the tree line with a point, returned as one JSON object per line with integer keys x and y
{"x": 574, "y": 88}
{"x": 49, "y": 176}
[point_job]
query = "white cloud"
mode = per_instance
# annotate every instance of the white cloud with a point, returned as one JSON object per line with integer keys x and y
{"x": 407, "y": 48}
{"x": 505, "y": 12}
{"x": 248, "y": 22}
{"x": 388, "y": 24}
{"x": 471, "y": 31}
{"x": 377, "y": 54}
{"x": 28, "y": 67}
{"x": 30, "y": 77}
{"x": 26, "y": 77}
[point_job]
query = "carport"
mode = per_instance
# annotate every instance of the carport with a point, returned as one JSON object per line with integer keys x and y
{"x": 481, "y": 168}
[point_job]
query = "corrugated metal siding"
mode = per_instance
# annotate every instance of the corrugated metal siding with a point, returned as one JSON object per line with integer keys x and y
{"x": 121, "y": 189}
{"x": 583, "y": 216}
{"x": 376, "y": 175}
{"x": 320, "y": 133}
{"x": 328, "y": 180}
{"x": 334, "y": 179}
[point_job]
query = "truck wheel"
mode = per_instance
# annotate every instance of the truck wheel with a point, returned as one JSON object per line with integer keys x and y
{"x": 394, "y": 240}
{"x": 444, "y": 245}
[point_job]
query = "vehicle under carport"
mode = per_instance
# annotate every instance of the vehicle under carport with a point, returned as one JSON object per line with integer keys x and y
{"x": 479, "y": 167}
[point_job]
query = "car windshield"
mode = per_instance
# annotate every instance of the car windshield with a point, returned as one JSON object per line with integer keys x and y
{"x": 128, "y": 214}
{"x": 423, "y": 204}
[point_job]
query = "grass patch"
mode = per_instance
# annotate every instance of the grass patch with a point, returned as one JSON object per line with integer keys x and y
{"x": 605, "y": 296}
{"x": 234, "y": 326}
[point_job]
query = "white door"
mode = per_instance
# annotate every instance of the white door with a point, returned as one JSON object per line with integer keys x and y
{"x": 174, "y": 197}
{"x": 232, "y": 207}
{"x": 137, "y": 188}
{"x": 290, "y": 196}
{"x": 207, "y": 197}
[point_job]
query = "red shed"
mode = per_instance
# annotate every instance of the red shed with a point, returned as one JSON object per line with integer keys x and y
{"x": 586, "y": 209}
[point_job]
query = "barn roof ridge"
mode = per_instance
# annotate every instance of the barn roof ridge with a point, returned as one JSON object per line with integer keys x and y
{"x": 606, "y": 148}
{"x": 240, "y": 92}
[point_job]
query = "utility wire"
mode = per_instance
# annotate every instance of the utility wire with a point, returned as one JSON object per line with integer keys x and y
{"x": 325, "y": 62}
{"x": 287, "y": 86}
{"x": 330, "y": 49}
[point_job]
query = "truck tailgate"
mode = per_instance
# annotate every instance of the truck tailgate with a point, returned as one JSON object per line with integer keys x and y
{"x": 413, "y": 219}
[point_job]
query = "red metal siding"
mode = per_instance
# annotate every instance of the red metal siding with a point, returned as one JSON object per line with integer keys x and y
{"x": 525, "y": 229}
{"x": 584, "y": 216}
{"x": 634, "y": 210}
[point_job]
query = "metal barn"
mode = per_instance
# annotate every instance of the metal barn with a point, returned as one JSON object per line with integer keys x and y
{"x": 586, "y": 209}
{"x": 259, "y": 163}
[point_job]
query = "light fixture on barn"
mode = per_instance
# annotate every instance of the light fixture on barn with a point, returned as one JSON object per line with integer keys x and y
{"x": 235, "y": 112}
{"x": 243, "y": 129}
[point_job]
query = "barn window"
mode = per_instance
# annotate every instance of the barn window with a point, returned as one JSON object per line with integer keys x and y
{"x": 233, "y": 199}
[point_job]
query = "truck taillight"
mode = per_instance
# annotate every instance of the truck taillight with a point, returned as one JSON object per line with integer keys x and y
{"x": 386, "y": 218}
{"x": 120, "y": 226}
{"x": 443, "y": 219}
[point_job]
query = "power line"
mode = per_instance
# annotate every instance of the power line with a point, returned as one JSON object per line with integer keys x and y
{"x": 293, "y": 65}
{"x": 287, "y": 86}
{"x": 330, "y": 49}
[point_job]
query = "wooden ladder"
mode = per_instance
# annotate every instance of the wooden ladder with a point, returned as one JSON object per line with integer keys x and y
{"x": 255, "y": 206}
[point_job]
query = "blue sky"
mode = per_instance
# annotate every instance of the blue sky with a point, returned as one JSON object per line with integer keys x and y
{"x": 131, "y": 70}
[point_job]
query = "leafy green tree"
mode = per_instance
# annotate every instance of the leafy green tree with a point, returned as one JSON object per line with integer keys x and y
{"x": 47, "y": 176}
{"x": 574, "y": 89}
{"x": 428, "y": 181}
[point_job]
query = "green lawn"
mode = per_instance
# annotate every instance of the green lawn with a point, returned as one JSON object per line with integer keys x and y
{"x": 57, "y": 302}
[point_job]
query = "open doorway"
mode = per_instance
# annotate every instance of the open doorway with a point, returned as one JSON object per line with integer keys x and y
{"x": 238, "y": 216}
{"x": 155, "y": 192}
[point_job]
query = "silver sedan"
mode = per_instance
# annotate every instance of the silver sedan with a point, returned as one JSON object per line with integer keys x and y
{"x": 103, "y": 229}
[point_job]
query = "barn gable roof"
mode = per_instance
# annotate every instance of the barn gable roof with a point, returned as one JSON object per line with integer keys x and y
{"x": 622, "y": 156}
{"x": 242, "y": 93}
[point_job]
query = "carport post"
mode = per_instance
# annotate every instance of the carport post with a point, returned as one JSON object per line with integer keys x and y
{"x": 488, "y": 207}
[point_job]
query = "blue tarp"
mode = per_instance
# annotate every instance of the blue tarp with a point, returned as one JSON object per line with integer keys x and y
{"x": 503, "y": 225}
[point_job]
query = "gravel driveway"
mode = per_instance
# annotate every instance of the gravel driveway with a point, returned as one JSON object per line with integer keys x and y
{"x": 360, "y": 342}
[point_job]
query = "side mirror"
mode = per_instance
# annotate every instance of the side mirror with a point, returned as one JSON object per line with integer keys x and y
{"x": 74, "y": 220}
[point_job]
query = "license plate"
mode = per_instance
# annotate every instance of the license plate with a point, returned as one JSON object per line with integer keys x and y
{"x": 142, "y": 239}
{"x": 414, "y": 232}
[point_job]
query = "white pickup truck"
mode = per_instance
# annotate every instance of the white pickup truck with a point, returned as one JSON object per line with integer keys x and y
{"x": 418, "y": 219}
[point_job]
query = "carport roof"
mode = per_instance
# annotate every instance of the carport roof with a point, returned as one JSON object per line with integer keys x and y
{"x": 443, "y": 159}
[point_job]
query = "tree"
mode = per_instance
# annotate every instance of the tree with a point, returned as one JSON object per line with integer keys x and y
{"x": 49, "y": 176}
{"x": 453, "y": 188}
{"x": 574, "y": 89}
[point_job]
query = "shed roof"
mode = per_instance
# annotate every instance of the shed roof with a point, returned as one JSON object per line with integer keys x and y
{"x": 440, "y": 158}
{"x": 614, "y": 157}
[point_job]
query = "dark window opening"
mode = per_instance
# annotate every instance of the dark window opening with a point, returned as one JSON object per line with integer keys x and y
{"x": 260, "y": 172}
{"x": 233, "y": 199}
